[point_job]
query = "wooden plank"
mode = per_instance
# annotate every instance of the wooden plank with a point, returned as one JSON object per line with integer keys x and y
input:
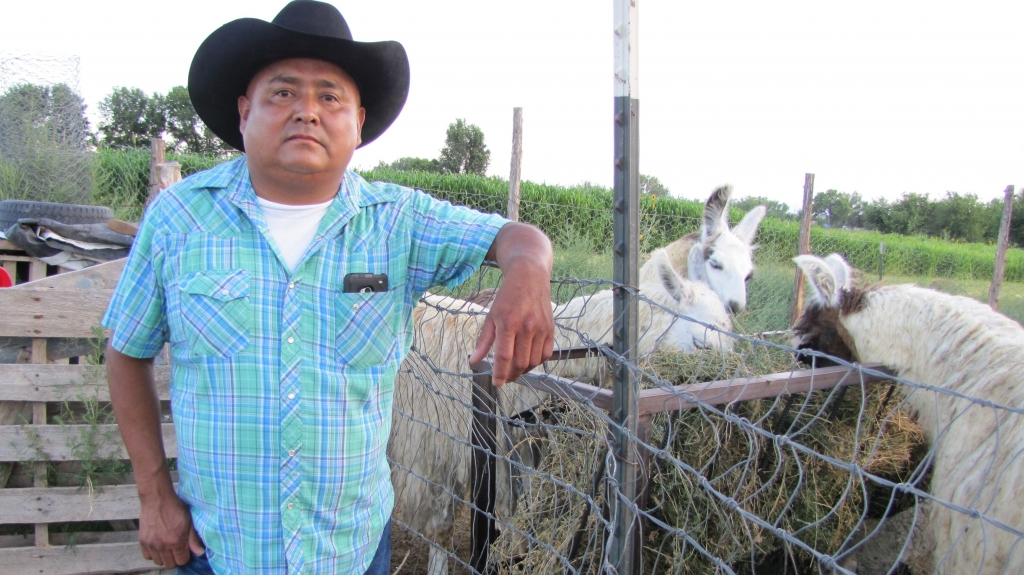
{"x": 52, "y": 313}
{"x": 101, "y": 276}
{"x": 1004, "y": 244}
{"x": 6, "y": 245}
{"x": 56, "y": 442}
{"x": 30, "y": 382}
{"x": 746, "y": 388}
{"x": 515, "y": 172}
{"x": 77, "y": 560}
{"x": 38, "y": 419}
{"x": 80, "y": 538}
{"x": 64, "y": 504}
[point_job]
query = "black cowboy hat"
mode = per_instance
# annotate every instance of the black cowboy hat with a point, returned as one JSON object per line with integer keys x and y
{"x": 230, "y": 57}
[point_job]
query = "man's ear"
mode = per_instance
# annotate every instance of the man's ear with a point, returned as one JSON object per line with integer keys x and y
{"x": 360, "y": 118}
{"x": 243, "y": 112}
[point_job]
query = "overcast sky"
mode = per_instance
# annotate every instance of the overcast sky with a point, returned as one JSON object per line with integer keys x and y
{"x": 877, "y": 97}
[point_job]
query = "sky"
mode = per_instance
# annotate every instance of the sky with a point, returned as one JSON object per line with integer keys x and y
{"x": 874, "y": 97}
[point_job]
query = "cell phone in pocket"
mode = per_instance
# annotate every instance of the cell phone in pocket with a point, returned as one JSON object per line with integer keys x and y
{"x": 363, "y": 283}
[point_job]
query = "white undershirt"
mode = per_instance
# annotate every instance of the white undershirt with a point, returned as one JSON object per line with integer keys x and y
{"x": 293, "y": 227}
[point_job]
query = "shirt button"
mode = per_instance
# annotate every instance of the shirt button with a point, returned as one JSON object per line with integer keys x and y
{"x": 291, "y": 396}
{"x": 225, "y": 292}
{"x": 355, "y": 306}
{"x": 291, "y": 453}
{"x": 291, "y": 285}
{"x": 291, "y": 505}
{"x": 291, "y": 340}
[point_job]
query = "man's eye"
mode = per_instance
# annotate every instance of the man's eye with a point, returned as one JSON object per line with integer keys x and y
{"x": 715, "y": 265}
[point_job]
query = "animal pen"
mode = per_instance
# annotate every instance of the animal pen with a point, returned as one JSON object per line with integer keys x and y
{"x": 751, "y": 457}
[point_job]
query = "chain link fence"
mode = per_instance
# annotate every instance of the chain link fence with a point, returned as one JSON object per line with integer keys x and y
{"x": 44, "y": 134}
{"x": 750, "y": 461}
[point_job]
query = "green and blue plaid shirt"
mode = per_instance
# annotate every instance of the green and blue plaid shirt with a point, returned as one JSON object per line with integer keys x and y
{"x": 281, "y": 384}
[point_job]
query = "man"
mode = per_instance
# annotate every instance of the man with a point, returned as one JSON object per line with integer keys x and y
{"x": 285, "y": 287}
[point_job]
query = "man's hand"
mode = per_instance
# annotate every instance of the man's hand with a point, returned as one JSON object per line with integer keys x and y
{"x": 165, "y": 531}
{"x": 520, "y": 325}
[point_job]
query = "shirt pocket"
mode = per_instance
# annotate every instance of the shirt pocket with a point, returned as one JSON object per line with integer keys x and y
{"x": 365, "y": 336}
{"x": 216, "y": 312}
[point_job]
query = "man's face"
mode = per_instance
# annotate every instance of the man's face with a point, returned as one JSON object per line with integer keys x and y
{"x": 301, "y": 117}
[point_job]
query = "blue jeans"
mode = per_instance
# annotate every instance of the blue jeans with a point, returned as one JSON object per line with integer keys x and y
{"x": 381, "y": 564}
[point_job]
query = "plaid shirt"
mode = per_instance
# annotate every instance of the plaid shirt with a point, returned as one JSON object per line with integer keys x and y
{"x": 281, "y": 384}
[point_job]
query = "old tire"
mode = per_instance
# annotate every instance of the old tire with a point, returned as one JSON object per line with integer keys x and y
{"x": 13, "y": 210}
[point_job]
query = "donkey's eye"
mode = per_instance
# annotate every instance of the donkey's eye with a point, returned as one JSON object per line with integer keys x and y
{"x": 715, "y": 265}
{"x": 750, "y": 276}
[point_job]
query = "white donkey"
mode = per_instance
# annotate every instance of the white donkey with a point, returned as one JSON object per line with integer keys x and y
{"x": 717, "y": 256}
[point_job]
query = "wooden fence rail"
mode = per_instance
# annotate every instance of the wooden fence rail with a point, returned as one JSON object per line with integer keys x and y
{"x": 44, "y": 322}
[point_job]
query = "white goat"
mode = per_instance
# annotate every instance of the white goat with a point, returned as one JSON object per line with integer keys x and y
{"x": 959, "y": 345}
{"x": 715, "y": 255}
{"x": 430, "y": 439}
{"x": 589, "y": 318}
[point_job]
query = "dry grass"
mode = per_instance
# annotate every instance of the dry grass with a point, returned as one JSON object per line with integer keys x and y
{"x": 713, "y": 457}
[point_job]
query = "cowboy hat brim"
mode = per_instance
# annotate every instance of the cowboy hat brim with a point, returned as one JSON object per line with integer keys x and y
{"x": 233, "y": 54}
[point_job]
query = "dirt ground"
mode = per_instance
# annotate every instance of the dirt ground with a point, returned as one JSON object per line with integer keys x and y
{"x": 410, "y": 552}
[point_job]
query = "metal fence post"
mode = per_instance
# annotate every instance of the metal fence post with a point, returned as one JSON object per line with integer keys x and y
{"x": 484, "y": 446}
{"x": 623, "y": 551}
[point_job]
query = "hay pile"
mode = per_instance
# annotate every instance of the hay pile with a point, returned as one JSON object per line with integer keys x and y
{"x": 818, "y": 502}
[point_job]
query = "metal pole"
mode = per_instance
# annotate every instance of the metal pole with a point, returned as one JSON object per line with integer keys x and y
{"x": 623, "y": 549}
{"x": 484, "y": 444}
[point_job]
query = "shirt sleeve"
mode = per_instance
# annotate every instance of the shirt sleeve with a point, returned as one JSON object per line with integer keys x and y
{"x": 449, "y": 242}
{"x": 137, "y": 315}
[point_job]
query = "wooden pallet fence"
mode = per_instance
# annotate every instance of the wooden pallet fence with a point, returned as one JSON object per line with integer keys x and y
{"x": 64, "y": 308}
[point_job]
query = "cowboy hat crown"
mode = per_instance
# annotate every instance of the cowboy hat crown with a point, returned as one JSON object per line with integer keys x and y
{"x": 233, "y": 54}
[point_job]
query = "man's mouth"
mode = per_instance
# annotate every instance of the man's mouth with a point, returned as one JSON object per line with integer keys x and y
{"x": 304, "y": 137}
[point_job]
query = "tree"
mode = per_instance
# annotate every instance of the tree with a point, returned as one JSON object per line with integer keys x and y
{"x": 187, "y": 132}
{"x": 44, "y": 140}
{"x": 410, "y": 164}
{"x": 774, "y": 209}
{"x": 652, "y": 186}
{"x": 131, "y": 118}
{"x": 464, "y": 150}
{"x": 833, "y": 207}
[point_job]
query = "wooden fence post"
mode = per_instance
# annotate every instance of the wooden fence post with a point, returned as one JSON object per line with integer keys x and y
{"x": 156, "y": 157}
{"x": 803, "y": 248}
{"x": 517, "y": 164}
{"x": 881, "y": 259}
{"x": 1004, "y": 244}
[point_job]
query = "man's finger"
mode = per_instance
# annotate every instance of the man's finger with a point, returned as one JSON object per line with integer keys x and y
{"x": 181, "y": 556}
{"x": 195, "y": 544}
{"x": 483, "y": 343}
{"x": 504, "y": 345}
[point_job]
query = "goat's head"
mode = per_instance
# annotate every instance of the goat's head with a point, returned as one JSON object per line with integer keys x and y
{"x": 724, "y": 258}
{"x": 832, "y": 297}
{"x": 695, "y": 300}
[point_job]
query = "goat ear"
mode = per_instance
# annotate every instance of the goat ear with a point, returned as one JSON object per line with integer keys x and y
{"x": 840, "y": 269}
{"x": 695, "y": 265}
{"x": 747, "y": 228}
{"x": 821, "y": 279}
{"x": 716, "y": 213}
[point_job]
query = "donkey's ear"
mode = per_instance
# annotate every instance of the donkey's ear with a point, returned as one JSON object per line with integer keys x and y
{"x": 821, "y": 279}
{"x": 716, "y": 213}
{"x": 841, "y": 270}
{"x": 695, "y": 270}
{"x": 747, "y": 228}
{"x": 670, "y": 280}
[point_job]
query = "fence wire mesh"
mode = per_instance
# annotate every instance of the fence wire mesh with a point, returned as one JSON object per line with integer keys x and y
{"x": 44, "y": 134}
{"x": 797, "y": 472}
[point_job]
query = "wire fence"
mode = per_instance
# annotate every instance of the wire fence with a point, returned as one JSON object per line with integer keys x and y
{"x": 752, "y": 462}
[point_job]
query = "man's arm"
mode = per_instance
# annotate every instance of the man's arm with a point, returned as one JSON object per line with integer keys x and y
{"x": 165, "y": 524}
{"x": 520, "y": 324}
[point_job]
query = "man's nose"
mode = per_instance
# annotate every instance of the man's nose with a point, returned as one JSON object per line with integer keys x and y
{"x": 307, "y": 109}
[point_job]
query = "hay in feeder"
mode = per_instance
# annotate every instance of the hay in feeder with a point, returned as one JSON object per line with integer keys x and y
{"x": 721, "y": 463}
